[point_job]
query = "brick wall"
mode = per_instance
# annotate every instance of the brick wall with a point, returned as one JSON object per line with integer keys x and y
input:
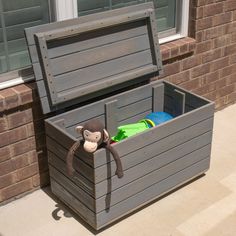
{"x": 208, "y": 68}
{"x": 204, "y": 63}
{"x": 23, "y": 162}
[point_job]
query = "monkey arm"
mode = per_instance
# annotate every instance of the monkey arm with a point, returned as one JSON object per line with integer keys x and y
{"x": 70, "y": 156}
{"x": 119, "y": 168}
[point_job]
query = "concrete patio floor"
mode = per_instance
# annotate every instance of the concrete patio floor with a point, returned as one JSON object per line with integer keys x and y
{"x": 206, "y": 206}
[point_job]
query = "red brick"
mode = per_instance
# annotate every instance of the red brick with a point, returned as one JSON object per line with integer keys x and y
{"x": 200, "y": 70}
{"x": 23, "y": 146}
{"x": 226, "y": 90}
{"x": 198, "y": 12}
{"x": 24, "y": 93}
{"x": 233, "y": 37}
{"x": 222, "y": 41}
{"x": 213, "y": 9}
{"x": 212, "y": 77}
{"x": 226, "y": 71}
{"x": 230, "y": 5}
{"x": 21, "y": 161}
{"x": 221, "y": 63}
{"x": 7, "y": 180}
{"x": 191, "y": 62}
{"x": 229, "y": 28}
{"x": 20, "y": 118}
{"x": 27, "y": 171}
{"x": 6, "y": 167}
{"x": 16, "y": 189}
{"x": 165, "y": 52}
{"x": 204, "y": 23}
{"x": 17, "y": 134}
{"x": 204, "y": 46}
{"x": 33, "y": 157}
{"x": 4, "y": 139}
{"x": 229, "y": 50}
{"x": 30, "y": 129}
{"x": 2, "y": 103}
{"x": 3, "y": 124}
{"x": 192, "y": 84}
{"x": 180, "y": 77}
{"x": 211, "y": 55}
{"x": 222, "y": 18}
{"x": 174, "y": 49}
{"x": 170, "y": 69}
{"x": 231, "y": 79}
{"x": 214, "y": 32}
{"x": 5, "y": 153}
{"x": 10, "y": 97}
{"x": 232, "y": 97}
{"x": 232, "y": 59}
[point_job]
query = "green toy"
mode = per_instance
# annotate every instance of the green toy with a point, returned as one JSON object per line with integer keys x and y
{"x": 129, "y": 130}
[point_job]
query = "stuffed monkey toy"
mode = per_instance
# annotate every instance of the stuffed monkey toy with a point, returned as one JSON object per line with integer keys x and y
{"x": 94, "y": 135}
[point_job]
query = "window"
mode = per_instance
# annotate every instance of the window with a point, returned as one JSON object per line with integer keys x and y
{"x": 15, "y": 15}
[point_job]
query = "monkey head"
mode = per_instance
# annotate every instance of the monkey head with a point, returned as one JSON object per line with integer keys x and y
{"x": 94, "y": 134}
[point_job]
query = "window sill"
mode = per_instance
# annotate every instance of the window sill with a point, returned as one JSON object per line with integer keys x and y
{"x": 177, "y": 48}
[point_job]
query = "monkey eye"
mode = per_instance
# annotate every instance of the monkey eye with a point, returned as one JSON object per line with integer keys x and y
{"x": 96, "y": 137}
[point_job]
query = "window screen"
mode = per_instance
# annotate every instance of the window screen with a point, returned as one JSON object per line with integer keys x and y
{"x": 15, "y": 15}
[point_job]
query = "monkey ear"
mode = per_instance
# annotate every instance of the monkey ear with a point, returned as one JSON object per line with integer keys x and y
{"x": 79, "y": 128}
{"x": 106, "y": 136}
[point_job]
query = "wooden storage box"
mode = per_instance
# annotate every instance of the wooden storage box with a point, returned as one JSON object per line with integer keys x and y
{"x": 115, "y": 52}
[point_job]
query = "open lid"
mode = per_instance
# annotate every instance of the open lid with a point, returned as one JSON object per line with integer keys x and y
{"x": 78, "y": 59}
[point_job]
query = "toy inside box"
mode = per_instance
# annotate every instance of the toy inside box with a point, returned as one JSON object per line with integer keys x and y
{"x": 106, "y": 61}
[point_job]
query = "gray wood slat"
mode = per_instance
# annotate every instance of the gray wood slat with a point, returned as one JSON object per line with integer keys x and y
{"x": 104, "y": 83}
{"x": 134, "y": 109}
{"x": 99, "y": 71}
{"x": 81, "y": 114}
{"x": 85, "y": 213}
{"x": 92, "y": 40}
{"x": 111, "y": 116}
{"x": 158, "y": 132}
{"x": 151, "y": 193}
{"x": 103, "y": 70}
{"x": 153, "y": 177}
{"x": 135, "y": 118}
{"x": 158, "y": 148}
{"x": 61, "y": 151}
{"x": 79, "y": 180}
{"x": 84, "y": 169}
{"x": 99, "y": 54}
{"x": 71, "y": 187}
{"x": 158, "y": 97}
{"x": 179, "y": 102}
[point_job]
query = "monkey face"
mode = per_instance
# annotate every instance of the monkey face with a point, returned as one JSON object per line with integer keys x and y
{"x": 91, "y": 140}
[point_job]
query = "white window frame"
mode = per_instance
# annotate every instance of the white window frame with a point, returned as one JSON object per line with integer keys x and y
{"x": 67, "y": 9}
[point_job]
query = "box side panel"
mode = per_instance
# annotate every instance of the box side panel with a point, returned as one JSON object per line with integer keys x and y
{"x": 189, "y": 151}
{"x": 151, "y": 193}
{"x": 149, "y": 163}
